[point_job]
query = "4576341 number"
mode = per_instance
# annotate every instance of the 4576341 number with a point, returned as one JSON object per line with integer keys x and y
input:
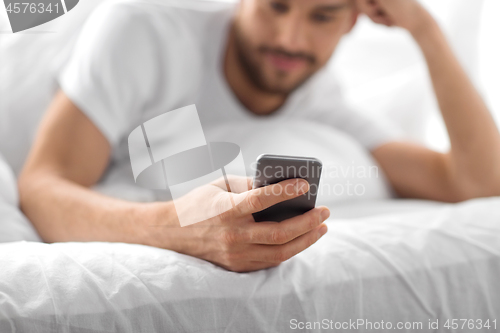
{"x": 470, "y": 324}
{"x": 32, "y": 7}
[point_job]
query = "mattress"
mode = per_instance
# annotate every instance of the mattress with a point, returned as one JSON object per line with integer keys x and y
{"x": 404, "y": 263}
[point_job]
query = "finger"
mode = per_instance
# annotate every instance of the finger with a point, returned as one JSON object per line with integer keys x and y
{"x": 239, "y": 184}
{"x": 220, "y": 182}
{"x": 273, "y": 233}
{"x": 261, "y": 198}
{"x": 374, "y": 11}
{"x": 365, "y": 6}
{"x": 380, "y": 19}
{"x": 250, "y": 183}
{"x": 280, "y": 253}
{"x": 233, "y": 183}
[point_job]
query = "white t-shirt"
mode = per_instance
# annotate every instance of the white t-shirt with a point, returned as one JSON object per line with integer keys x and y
{"x": 135, "y": 60}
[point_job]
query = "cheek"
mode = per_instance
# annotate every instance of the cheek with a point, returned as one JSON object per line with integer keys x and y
{"x": 324, "y": 48}
{"x": 325, "y": 39}
{"x": 258, "y": 26}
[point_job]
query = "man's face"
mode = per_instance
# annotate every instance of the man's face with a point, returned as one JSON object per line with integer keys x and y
{"x": 281, "y": 43}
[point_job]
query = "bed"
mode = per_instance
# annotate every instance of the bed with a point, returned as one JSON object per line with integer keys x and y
{"x": 398, "y": 262}
{"x": 403, "y": 262}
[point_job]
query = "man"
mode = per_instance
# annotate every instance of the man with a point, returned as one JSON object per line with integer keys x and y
{"x": 137, "y": 60}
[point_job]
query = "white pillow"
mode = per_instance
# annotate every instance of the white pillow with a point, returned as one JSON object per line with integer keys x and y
{"x": 13, "y": 225}
{"x": 349, "y": 171}
{"x": 344, "y": 160}
{"x": 8, "y": 191}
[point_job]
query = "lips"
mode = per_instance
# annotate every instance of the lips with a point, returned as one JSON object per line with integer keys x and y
{"x": 286, "y": 63}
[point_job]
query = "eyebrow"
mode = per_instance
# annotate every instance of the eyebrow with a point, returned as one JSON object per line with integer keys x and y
{"x": 332, "y": 8}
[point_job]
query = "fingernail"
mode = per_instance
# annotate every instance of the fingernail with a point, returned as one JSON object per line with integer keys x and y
{"x": 301, "y": 187}
{"x": 325, "y": 214}
{"x": 322, "y": 231}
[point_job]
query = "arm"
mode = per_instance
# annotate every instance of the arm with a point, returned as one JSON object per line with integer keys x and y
{"x": 472, "y": 166}
{"x": 70, "y": 154}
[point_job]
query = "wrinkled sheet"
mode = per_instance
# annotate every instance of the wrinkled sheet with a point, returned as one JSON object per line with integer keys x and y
{"x": 395, "y": 261}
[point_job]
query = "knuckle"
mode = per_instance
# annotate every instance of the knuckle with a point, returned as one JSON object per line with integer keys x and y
{"x": 278, "y": 236}
{"x": 249, "y": 182}
{"x": 228, "y": 259}
{"x": 225, "y": 215}
{"x": 284, "y": 191}
{"x": 229, "y": 238}
{"x": 218, "y": 206}
{"x": 245, "y": 236}
{"x": 313, "y": 220}
{"x": 233, "y": 261}
{"x": 255, "y": 202}
{"x": 243, "y": 205}
{"x": 289, "y": 190}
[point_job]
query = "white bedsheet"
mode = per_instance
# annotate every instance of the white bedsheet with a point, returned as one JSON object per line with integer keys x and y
{"x": 395, "y": 261}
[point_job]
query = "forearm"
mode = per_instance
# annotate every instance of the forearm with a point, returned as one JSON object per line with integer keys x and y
{"x": 65, "y": 211}
{"x": 475, "y": 140}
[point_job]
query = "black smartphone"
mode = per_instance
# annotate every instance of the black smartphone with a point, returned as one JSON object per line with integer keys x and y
{"x": 272, "y": 169}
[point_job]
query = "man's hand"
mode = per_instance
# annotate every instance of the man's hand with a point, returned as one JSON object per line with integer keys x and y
{"x": 407, "y": 14}
{"x": 233, "y": 239}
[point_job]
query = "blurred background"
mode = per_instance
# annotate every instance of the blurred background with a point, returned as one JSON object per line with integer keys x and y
{"x": 381, "y": 70}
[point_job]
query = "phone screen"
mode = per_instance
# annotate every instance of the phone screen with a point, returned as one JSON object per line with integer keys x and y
{"x": 272, "y": 169}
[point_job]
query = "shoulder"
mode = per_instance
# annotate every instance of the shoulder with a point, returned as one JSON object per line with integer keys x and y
{"x": 174, "y": 16}
{"x": 158, "y": 31}
{"x": 165, "y": 30}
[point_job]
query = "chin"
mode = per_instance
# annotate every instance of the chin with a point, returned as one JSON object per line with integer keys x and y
{"x": 286, "y": 87}
{"x": 283, "y": 82}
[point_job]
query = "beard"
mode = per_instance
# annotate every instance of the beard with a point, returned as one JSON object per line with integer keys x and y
{"x": 280, "y": 82}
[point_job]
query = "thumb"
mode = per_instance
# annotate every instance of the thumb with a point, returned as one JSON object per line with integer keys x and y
{"x": 233, "y": 183}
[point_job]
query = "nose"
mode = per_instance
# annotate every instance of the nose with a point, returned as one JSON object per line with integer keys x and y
{"x": 292, "y": 33}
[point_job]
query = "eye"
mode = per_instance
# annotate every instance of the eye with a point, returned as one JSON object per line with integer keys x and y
{"x": 279, "y": 7}
{"x": 322, "y": 18}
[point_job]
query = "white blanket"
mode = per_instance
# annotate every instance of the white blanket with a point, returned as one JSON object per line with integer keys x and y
{"x": 391, "y": 261}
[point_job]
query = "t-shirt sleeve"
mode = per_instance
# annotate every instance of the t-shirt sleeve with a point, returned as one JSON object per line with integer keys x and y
{"x": 111, "y": 72}
{"x": 370, "y": 131}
